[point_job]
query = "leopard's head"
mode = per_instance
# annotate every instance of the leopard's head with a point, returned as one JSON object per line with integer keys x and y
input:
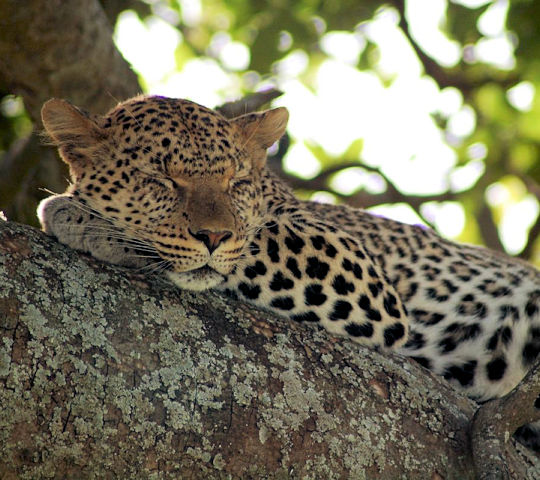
{"x": 173, "y": 174}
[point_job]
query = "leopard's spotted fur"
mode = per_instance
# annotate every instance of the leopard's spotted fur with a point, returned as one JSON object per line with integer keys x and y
{"x": 177, "y": 184}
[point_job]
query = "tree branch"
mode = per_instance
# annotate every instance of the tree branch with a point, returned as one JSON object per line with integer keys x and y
{"x": 495, "y": 422}
{"x": 106, "y": 373}
{"x": 446, "y": 77}
{"x": 50, "y": 48}
{"x": 362, "y": 199}
{"x": 62, "y": 49}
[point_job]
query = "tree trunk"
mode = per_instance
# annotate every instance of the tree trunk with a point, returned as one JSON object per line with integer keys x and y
{"x": 54, "y": 48}
{"x": 108, "y": 374}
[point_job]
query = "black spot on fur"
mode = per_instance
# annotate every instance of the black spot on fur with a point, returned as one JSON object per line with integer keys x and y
{"x": 357, "y": 330}
{"x": 357, "y": 270}
{"x": 422, "y": 361}
{"x": 283, "y": 303}
{"x": 375, "y": 288}
{"x": 254, "y": 249}
{"x": 272, "y": 227}
{"x": 365, "y": 304}
{"x": 292, "y": 265}
{"x": 390, "y": 303}
{"x": 251, "y": 292}
{"x": 273, "y": 250}
{"x": 330, "y": 250}
{"x": 393, "y": 333}
{"x": 313, "y": 295}
{"x": 427, "y": 318}
{"x": 342, "y": 310}
{"x": 464, "y": 373}
{"x": 415, "y": 341}
{"x": 279, "y": 282}
{"x": 506, "y": 311}
{"x": 461, "y": 331}
{"x": 317, "y": 241}
{"x": 294, "y": 242}
{"x": 447, "y": 345}
{"x": 530, "y": 352}
{"x": 341, "y": 286}
{"x": 531, "y": 308}
{"x": 496, "y": 368}
{"x": 306, "y": 317}
{"x": 317, "y": 269}
{"x": 258, "y": 268}
{"x": 432, "y": 293}
{"x": 360, "y": 254}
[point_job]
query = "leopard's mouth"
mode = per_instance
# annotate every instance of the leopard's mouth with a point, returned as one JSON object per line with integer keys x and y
{"x": 202, "y": 271}
{"x": 202, "y": 278}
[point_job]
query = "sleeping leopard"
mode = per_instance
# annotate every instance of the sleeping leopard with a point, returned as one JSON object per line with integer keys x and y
{"x": 167, "y": 185}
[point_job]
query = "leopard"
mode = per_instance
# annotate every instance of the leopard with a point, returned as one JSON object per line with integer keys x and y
{"x": 168, "y": 186}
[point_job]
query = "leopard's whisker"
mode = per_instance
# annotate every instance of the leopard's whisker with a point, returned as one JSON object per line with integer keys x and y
{"x": 88, "y": 209}
{"x": 104, "y": 232}
{"x": 155, "y": 267}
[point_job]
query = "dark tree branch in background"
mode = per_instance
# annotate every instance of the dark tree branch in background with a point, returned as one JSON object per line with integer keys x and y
{"x": 488, "y": 228}
{"x": 533, "y": 188}
{"x": 534, "y": 234}
{"x": 52, "y": 48}
{"x": 249, "y": 103}
{"x": 363, "y": 199}
{"x": 446, "y": 77}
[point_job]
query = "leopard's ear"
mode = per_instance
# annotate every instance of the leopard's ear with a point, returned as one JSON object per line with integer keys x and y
{"x": 263, "y": 128}
{"x": 78, "y": 136}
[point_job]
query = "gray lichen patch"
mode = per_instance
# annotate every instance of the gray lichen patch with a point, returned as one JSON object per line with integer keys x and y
{"x": 5, "y": 356}
{"x": 121, "y": 380}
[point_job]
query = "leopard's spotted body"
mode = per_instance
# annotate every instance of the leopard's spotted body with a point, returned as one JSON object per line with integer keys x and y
{"x": 173, "y": 182}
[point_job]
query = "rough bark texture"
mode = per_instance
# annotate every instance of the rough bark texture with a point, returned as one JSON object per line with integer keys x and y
{"x": 494, "y": 423}
{"x": 54, "y": 48}
{"x": 106, "y": 374}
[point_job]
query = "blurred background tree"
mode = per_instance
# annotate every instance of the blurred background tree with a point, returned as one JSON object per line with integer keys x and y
{"x": 424, "y": 111}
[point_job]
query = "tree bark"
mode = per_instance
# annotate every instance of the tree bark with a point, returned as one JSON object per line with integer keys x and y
{"x": 106, "y": 373}
{"x": 54, "y": 48}
{"x": 495, "y": 422}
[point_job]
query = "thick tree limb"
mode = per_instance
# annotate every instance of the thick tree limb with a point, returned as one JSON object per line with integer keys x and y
{"x": 53, "y": 48}
{"x": 106, "y": 373}
{"x": 496, "y": 421}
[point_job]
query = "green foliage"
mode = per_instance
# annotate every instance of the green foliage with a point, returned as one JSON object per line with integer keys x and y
{"x": 14, "y": 123}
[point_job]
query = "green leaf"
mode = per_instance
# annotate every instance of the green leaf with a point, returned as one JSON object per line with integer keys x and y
{"x": 354, "y": 150}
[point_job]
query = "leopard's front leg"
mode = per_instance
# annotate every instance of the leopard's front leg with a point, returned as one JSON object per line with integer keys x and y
{"x": 74, "y": 224}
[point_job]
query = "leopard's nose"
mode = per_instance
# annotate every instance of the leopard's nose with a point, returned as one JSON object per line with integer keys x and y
{"x": 211, "y": 239}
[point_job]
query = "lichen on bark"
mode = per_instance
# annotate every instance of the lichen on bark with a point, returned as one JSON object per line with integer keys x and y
{"x": 107, "y": 373}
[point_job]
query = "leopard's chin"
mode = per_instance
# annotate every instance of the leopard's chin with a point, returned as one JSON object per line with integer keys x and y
{"x": 200, "y": 279}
